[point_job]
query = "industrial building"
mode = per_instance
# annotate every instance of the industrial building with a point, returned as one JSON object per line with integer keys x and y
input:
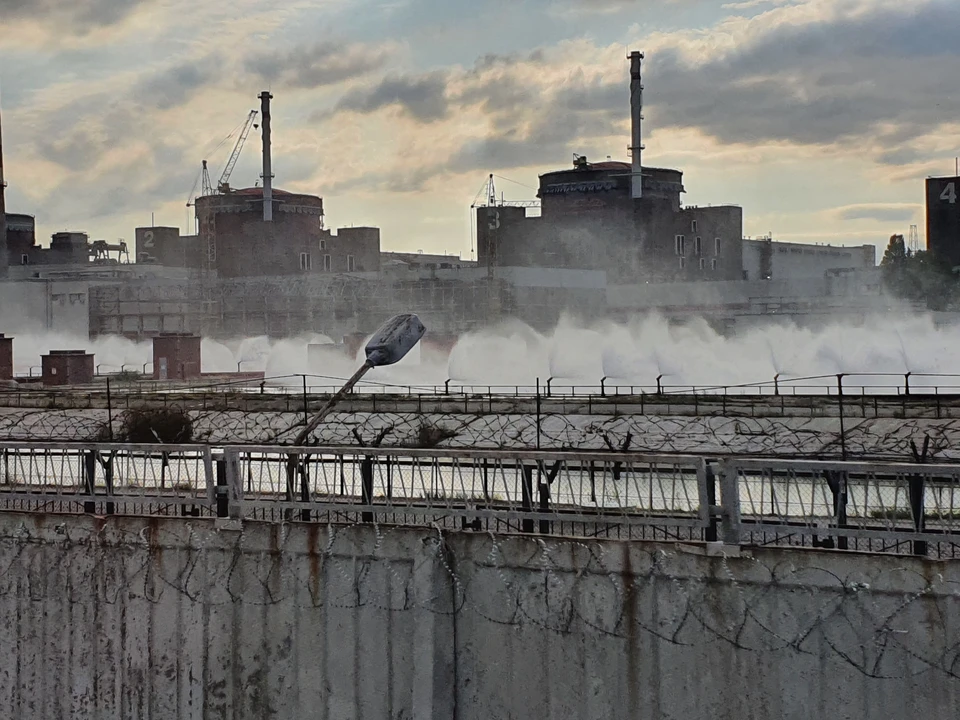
{"x": 610, "y": 239}
{"x": 766, "y": 259}
{"x": 943, "y": 219}
{"x": 623, "y": 218}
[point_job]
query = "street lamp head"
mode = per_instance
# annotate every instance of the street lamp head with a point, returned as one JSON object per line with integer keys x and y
{"x": 394, "y": 339}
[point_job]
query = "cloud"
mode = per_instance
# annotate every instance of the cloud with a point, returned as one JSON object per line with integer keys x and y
{"x": 814, "y": 78}
{"x": 318, "y": 65}
{"x": 423, "y": 97}
{"x": 886, "y": 213}
{"x": 176, "y": 84}
{"x": 75, "y": 14}
{"x": 826, "y": 73}
{"x": 752, "y": 4}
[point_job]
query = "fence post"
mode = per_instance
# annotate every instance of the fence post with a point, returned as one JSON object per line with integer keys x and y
{"x": 730, "y": 502}
{"x": 366, "y": 487}
{"x": 231, "y": 461}
{"x": 222, "y": 491}
{"x": 90, "y": 479}
{"x": 843, "y": 434}
{"x": 109, "y": 413}
{"x": 306, "y": 413}
{"x": 837, "y": 482}
{"x": 917, "y": 506}
{"x": 708, "y": 499}
{"x": 526, "y": 497}
{"x": 538, "y": 413}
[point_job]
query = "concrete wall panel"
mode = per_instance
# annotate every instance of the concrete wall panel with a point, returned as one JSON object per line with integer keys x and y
{"x": 160, "y": 618}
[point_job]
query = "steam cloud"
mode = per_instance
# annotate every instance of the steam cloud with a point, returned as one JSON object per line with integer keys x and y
{"x": 626, "y": 354}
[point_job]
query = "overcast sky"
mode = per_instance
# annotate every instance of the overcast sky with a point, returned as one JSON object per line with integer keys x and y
{"x": 820, "y": 117}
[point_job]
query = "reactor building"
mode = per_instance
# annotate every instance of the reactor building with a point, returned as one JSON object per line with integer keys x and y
{"x": 261, "y": 231}
{"x": 623, "y": 218}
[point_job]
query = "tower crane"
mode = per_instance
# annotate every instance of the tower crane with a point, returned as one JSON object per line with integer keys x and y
{"x": 223, "y": 184}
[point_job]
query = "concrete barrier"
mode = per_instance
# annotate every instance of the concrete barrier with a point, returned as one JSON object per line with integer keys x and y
{"x": 171, "y": 618}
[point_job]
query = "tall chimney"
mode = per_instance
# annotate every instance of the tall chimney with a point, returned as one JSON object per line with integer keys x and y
{"x": 636, "y": 116}
{"x": 4, "y": 253}
{"x": 265, "y": 98}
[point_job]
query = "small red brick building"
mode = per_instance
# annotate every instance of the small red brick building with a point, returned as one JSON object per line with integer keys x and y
{"x": 176, "y": 356}
{"x": 67, "y": 367}
{"x": 6, "y": 357}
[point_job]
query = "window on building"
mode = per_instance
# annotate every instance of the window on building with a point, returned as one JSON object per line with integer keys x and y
{"x": 693, "y": 226}
{"x": 24, "y": 259}
{"x": 327, "y": 263}
{"x": 714, "y": 264}
{"x": 698, "y": 246}
{"x": 683, "y": 263}
{"x": 306, "y": 262}
{"x": 680, "y": 242}
{"x": 323, "y": 244}
{"x": 716, "y": 246}
{"x": 351, "y": 263}
{"x": 703, "y": 263}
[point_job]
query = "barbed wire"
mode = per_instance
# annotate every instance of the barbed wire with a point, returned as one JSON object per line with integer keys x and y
{"x": 880, "y": 617}
{"x": 813, "y": 437}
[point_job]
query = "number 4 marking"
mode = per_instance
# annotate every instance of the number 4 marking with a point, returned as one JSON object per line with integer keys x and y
{"x": 950, "y": 193}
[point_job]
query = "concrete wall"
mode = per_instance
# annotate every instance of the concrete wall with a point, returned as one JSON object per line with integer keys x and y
{"x": 45, "y": 305}
{"x": 161, "y": 618}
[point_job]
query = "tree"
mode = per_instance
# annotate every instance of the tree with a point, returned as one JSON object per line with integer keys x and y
{"x": 918, "y": 276}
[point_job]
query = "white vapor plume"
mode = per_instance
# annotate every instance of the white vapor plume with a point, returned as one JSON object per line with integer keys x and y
{"x": 635, "y": 353}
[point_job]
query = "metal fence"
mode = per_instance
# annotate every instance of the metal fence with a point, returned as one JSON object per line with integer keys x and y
{"x": 582, "y": 494}
{"x": 885, "y": 507}
{"x": 888, "y": 507}
{"x": 105, "y": 478}
{"x": 850, "y": 383}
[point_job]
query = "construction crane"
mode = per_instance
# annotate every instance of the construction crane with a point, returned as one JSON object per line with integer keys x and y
{"x": 223, "y": 184}
{"x": 206, "y": 187}
{"x": 487, "y": 197}
{"x": 203, "y": 178}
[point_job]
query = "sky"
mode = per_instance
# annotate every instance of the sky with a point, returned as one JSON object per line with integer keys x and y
{"x": 820, "y": 117}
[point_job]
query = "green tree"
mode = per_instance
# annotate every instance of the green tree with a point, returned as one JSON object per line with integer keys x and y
{"x": 918, "y": 276}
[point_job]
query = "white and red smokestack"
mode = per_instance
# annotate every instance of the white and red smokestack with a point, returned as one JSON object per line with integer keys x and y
{"x": 265, "y": 98}
{"x": 636, "y": 117}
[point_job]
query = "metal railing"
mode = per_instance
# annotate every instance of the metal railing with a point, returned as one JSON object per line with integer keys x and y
{"x": 582, "y": 494}
{"x": 104, "y": 479}
{"x": 886, "y": 507}
{"x": 848, "y": 505}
